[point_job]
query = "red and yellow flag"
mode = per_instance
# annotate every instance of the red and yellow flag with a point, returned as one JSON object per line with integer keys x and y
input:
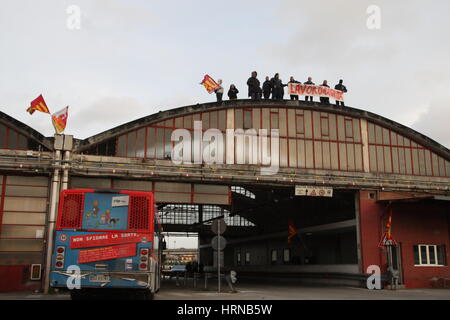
{"x": 387, "y": 239}
{"x": 59, "y": 119}
{"x": 388, "y": 227}
{"x": 39, "y": 105}
{"x": 209, "y": 84}
{"x": 292, "y": 231}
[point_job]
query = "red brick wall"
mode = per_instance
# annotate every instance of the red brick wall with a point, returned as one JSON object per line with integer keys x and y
{"x": 424, "y": 222}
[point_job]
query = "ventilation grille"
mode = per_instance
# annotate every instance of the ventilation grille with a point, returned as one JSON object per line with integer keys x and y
{"x": 72, "y": 207}
{"x": 139, "y": 218}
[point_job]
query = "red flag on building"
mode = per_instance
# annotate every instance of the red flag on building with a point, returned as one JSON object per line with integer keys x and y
{"x": 59, "y": 119}
{"x": 387, "y": 239}
{"x": 39, "y": 105}
{"x": 209, "y": 84}
{"x": 292, "y": 231}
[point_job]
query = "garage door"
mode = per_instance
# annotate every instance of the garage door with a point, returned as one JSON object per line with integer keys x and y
{"x": 23, "y": 214}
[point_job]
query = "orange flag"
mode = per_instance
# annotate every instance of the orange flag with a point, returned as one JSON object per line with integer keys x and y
{"x": 292, "y": 231}
{"x": 59, "y": 119}
{"x": 209, "y": 84}
{"x": 39, "y": 105}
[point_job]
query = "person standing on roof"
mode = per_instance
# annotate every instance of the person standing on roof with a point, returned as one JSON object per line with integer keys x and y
{"x": 325, "y": 100}
{"x": 309, "y": 82}
{"x": 277, "y": 87}
{"x": 294, "y": 96}
{"x": 219, "y": 91}
{"x": 254, "y": 87}
{"x": 232, "y": 92}
{"x": 342, "y": 88}
{"x": 267, "y": 88}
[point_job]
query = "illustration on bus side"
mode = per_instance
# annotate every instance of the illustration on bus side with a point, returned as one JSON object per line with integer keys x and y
{"x": 105, "y": 212}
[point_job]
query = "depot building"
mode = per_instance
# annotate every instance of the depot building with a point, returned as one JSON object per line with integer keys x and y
{"x": 340, "y": 173}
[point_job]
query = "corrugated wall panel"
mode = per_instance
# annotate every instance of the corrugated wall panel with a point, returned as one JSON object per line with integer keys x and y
{"x": 24, "y": 218}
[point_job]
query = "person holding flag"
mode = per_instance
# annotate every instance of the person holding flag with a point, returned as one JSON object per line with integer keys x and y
{"x": 209, "y": 84}
{"x": 219, "y": 91}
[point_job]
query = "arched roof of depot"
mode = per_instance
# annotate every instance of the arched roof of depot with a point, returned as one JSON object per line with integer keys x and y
{"x": 246, "y": 103}
{"x": 27, "y": 131}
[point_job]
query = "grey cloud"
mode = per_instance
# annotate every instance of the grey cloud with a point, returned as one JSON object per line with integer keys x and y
{"x": 104, "y": 114}
{"x": 434, "y": 122}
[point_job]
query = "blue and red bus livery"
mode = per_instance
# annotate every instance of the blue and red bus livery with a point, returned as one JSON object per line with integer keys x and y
{"x": 111, "y": 236}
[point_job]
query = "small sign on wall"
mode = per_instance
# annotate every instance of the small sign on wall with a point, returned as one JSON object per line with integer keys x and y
{"x": 313, "y": 191}
{"x": 39, "y": 234}
{"x": 35, "y": 272}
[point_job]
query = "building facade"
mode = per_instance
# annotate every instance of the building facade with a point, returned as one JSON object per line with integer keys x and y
{"x": 373, "y": 166}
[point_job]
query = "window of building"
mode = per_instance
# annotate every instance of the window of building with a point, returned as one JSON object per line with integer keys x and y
{"x": 348, "y": 128}
{"x": 286, "y": 255}
{"x": 10, "y": 139}
{"x": 300, "y": 123}
{"x": 247, "y": 257}
{"x": 243, "y": 191}
{"x": 274, "y": 256}
{"x": 274, "y": 120}
{"x": 429, "y": 255}
{"x": 324, "y": 126}
{"x": 247, "y": 119}
{"x": 238, "y": 258}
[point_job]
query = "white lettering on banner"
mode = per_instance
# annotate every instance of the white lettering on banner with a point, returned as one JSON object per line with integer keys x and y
{"x": 296, "y": 89}
{"x": 313, "y": 191}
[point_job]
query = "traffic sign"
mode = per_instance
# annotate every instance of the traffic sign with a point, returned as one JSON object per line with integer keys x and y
{"x": 218, "y": 243}
{"x": 313, "y": 191}
{"x": 218, "y": 226}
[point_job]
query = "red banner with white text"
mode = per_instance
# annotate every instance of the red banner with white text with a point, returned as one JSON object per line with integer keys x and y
{"x": 107, "y": 253}
{"x": 104, "y": 239}
{"x": 315, "y": 91}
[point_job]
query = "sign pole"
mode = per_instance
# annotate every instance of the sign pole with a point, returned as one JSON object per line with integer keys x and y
{"x": 218, "y": 256}
{"x": 218, "y": 244}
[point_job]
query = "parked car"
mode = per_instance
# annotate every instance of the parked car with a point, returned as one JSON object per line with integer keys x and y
{"x": 178, "y": 268}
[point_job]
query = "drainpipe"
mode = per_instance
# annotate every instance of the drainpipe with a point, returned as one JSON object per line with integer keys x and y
{"x": 65, "y": 177}
{"x": 51, "y": 221}
{"x": 64, "y": 144}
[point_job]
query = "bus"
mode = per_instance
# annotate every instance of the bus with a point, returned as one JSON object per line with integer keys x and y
{"x": 107, "y": 241}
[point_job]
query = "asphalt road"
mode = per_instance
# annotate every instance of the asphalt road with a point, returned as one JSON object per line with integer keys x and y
{"x": 254, "y": 291}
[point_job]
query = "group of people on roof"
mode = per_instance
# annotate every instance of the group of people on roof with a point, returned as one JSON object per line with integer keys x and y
{"x": 274, "y": 87}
